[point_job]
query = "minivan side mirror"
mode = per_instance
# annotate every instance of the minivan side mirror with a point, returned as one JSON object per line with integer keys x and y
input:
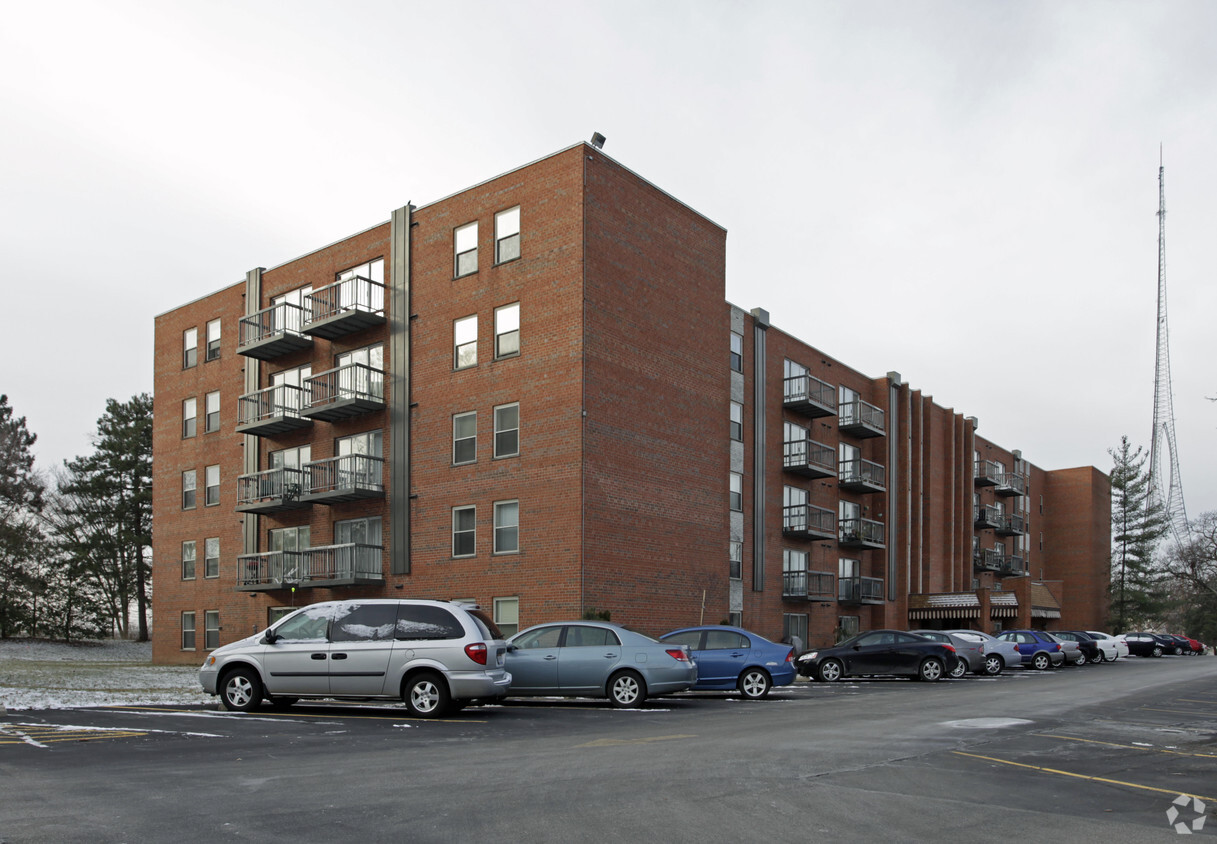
{"x": 270, "y": 638}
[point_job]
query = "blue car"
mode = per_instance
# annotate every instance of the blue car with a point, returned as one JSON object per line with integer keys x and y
{"x": 1039, "y": 650}
{"x": 730, "y": 658}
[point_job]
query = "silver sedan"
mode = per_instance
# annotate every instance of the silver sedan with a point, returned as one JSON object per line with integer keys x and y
{"x": 997, "y": 653}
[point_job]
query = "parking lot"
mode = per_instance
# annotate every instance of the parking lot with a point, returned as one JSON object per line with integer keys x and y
{"x": 1096, "y": 753}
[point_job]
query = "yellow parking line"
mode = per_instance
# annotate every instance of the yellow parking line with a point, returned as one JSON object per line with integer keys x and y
{"x": 1084, "y": 776}
{"x": 1190, "y": 700}
{"x": 1129, "y": 746}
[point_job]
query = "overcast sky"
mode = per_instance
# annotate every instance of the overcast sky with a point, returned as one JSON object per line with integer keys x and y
{"x": 961, "y": 192}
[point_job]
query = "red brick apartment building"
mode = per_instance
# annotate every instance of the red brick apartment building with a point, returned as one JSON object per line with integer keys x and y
{"x": 532, "y": 394}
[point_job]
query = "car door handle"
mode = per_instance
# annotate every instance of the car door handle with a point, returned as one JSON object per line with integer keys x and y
{"x": 338, "y": 656}
{"x": 318, "y": 656}
{"x": 551, "y": 656}
{"x": 610, "y": 656}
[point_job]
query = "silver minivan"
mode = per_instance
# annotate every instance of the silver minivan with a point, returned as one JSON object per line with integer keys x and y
{"x": 435, "y": 656}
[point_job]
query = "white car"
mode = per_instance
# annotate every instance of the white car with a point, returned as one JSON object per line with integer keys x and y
{"x": 1115, "y": 642}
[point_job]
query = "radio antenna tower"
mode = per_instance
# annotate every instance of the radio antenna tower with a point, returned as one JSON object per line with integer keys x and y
{"x": 1165, "y": 489}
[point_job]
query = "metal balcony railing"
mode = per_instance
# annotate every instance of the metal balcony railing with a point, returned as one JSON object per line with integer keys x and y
{"x": 344, "y": 307}
{"x": 860, "y": 419}
{"x": 344, "y": 391}
{"x": 1012, "y": 525}
{"x": 987, "y": 560}
{"x": 860, "y": 590}
{"x": 809, "y": 396}
{"x": 987, "y": 517}
{"x": 987, "y": 472}
{"x": 272, "y": 332}
{"x": 809, "y": 458}
{"x": 1011, "y": 483}
{"x": 271, "y": 491}
{"x": 270, "y": 569}
{"x": 347, "y": 563}
{"x": 1013, "y": 564}
{"x": 862, "y": 475}
{"x": 808, "y": 520}
{"x": 271, "y": 410}
{"x": 345, "y": 478}
{"x": 863, "y": 533}
{"x": 808, "y": 584}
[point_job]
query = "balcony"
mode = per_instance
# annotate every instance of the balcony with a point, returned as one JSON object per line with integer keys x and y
{"x": 1012, "y": 525}
{"x": 343, "y": 392}
{"x": 1011, "y": 483}
{"x": 987, "y": 560}
{"x": 809, "y": 458}
{"x": 809, "y": 396}
{"x": 1013, "y": 565}
{"x": 987, "y": 517}
{"x": 350, "y": 564}
{"x": 860, "y": 590}
{"x": 344, "y": 307}
{"x": 860, "y": 419}
{"x": 272, "y": 332}
{"x": 862, "y": 533}
{"x": 811, "y": 585}
{"x": 347, "y": 478}
{"x": 987, "y": 473}
{"x": 272, "y": 410}
{"x": 862, "y": 476}
{"x": 271, "y": 491}
{"x": 807, "y": 521}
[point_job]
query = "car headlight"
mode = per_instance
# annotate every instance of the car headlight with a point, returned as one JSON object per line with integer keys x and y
{"x": 809, "y": 656}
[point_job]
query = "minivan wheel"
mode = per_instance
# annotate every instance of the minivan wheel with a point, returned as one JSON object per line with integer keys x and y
{"x": 626, "y": 690}
{"x": 754, "y": 684}
{"x": 241, "y": 690}
{"x": 426, "y": 695}
{"x": 993, "y": 665}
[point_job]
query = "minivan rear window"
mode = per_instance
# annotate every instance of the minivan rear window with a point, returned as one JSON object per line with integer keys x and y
{"x": 364, "y": 623}
{"x": 422, "y": 621}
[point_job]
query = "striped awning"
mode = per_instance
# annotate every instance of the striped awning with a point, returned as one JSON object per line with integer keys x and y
{"x": 950, "y": 605}
{"x": 1003, "y": 605}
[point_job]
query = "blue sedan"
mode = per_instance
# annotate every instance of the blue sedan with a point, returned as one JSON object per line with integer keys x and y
{"x": 730, "y": 658}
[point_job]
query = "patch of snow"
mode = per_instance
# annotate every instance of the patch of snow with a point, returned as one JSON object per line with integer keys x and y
{"x": 986, "y": 723}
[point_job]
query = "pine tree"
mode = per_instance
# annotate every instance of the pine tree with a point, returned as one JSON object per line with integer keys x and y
{"x": 21, "y": 499}
{"x": 1137, "y": 525}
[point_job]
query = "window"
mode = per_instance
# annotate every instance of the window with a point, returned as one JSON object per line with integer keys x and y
{"x": 465, "y": 342}
{"x": 289, "y": 538}
{"x": 211, "y": 478}
{"x": 735, "y": 554}
{"x": 506, "y": 527}
{"x": 507, "y": 615}
{"x": 364, "y": 623}
{"x": 190, "y": 483}
{"x": 363, "y": 382}
{"x": 735, "y": 497}
{"x": 290, "y": 458}
{"x": 190, "y": 414}
{"x": 211, "y": 423}
{"x": 358, "y": 532}
{"x": 848, "y": 625}
{"x": 848, "y": 569}
{"x": 737, "y": 421}
{"x": 189, "y": 553}
{"x": 211, "y": 629}
{"x": 187, "y": 631}
{"x": 794, "y": 573}
{"x": 190, "y": 347}
{"x": 290, "y": 310}
{"x": 465, "y": 246}
{"x": 464, "y": 437}
{"x": 794, "y": 630}
{"x": 735, "y": 619}
{"x": 464, "y": 531}
{"x": 507, "y": 430}
{"x": 507, "y": 235}
{"x": 737, "y": 352}
{"x": 211, "y": 557}
{"x": 213, "y": 339}
{"x": 507, "y": 331}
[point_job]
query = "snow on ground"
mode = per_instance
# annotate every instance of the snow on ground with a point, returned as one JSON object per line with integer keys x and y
{"x": 36, "y": 674}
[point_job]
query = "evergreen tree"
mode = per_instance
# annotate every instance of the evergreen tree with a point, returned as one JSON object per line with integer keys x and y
{"x": 1137, "y": 594}
{"x": 21, "y": 499}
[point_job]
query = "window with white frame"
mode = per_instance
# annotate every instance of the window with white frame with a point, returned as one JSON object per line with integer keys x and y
{"x": 737, "y": 421}
{"x": 187, "y": 631}
{"x": 464, "y": 531}
{"x": 737, "y": 352}
{"x": 735, "y": 556}
{"x": 294, "y": 312}
{"x": 290, "y": 458}
{"x": 211, "y": 557}
{"x": 507, "y": 331}
{"x": 507, "y": 235}
{"x": 507, "y": 430}
{"x": 735, "y": 496}
{"x": 794, "y": 629}
{"x": 364, "y": 531}
{"x": 211, "y": 423}
{"x": 190, "y": 417}
{"x": 464, "y": 437}
{"x": 211, "y": 477}
{"x": 190, "y": 482}
{"x": 213, "y": 339}
{"x": 190, "y": 347}
{"x": 465, "y": 342}
{"x": 211, "y": 629}
{"x": 506, "y": 527}
{"x": 370, "y": 381}
{"x": 465, "y": 249}
{"x": 289, "y": 538}
{"x": 189, "y": 555}
{"x": 507, "y": 615}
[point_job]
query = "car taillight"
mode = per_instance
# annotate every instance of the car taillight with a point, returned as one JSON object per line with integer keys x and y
{"x": 950, "y": 648}
{"x": 1058, "y": 646}
{"x": 790, "y": 656}
{"x": 678, "y": 654}
{"x": 476, "y": 652}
